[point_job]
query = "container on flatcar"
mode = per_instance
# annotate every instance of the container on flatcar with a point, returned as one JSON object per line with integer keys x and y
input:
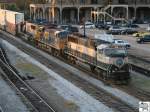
{"x": 11, "y": 21}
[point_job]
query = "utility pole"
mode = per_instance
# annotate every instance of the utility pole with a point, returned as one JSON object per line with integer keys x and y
{"x": 84, "y": 31}
{"x": 53, "y": 10}
{"x": 135, "y": 9}
{"x": 25, "y": 7}
{"x": 60, "y": 11}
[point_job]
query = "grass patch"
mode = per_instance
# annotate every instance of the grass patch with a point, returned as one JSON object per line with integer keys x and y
{"x": 28, "y": 68}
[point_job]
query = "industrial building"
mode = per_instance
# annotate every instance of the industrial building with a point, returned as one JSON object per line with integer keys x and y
{"x": 74, "y": 11}
{"x": 5, "y": 3}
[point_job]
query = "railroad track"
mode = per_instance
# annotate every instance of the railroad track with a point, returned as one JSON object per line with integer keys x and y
{"x": 1, "y": 110}
{"x": 136, "y": 92}
{"x": 98, "y": 93}
{"x": 138, "y": 58}
{"x": 138, "y": 69}
{"x": 31, "y": 95}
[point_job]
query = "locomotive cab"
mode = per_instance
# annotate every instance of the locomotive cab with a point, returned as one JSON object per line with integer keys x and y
{"x": 114, "y": 61}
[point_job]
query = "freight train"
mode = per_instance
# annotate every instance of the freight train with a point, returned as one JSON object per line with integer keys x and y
{"x": 110, "y": 61}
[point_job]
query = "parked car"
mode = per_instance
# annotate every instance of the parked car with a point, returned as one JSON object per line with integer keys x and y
{"x": 140, "y": 34}
{"x": 108, "y": 22}
{"x": 88, "y": 25}
{"x": 73, "y": 29}
{"x": 148, "y": 28}
{"x": 145, "y": 38}
{"x": 41, "y": 21}
{"x": 115, "y": 30}
{"x": 132, "y": 26}
{"x": 122, "y": 43}
{"x": 129, "y": 31}
{"x": 100, "y": 25}
{"x": 69, "y": 28}
{"x": 64, "y": 27}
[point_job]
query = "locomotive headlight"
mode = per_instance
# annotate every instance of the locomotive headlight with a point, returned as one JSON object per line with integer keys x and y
{"x": 119, "y": 62}
{"x": 116, "y": 69}
{"x": 138, "y": 39}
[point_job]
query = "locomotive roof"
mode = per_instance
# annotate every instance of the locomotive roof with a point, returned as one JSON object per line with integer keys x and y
{"x": 79, "y": 35}
{"x": 103, "y": 37}
{"x": 97, "y": 38}
{"x": 103, "y": 46}
{"x": 113, "y": 46}
{"x": 53, "y": 29}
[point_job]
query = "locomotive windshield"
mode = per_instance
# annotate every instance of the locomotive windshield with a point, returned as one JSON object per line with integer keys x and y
{"x": 62, "y": 34}
{"x": 115, "y": 52}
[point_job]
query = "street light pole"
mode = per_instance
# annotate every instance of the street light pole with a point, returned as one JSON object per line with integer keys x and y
{"x": 135, "y": 9}
{"x": 52, "y": 3}
{"x": 60, "y": 11}
{"x": 84, "y": 30}
{"x": 84, "y": 27}
{"x": 25, "y": 7}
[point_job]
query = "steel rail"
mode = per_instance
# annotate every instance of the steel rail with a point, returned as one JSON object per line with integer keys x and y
{"x": 6, "y": 65}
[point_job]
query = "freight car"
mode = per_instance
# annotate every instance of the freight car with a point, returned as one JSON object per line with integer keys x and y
{"x": 11, "y": 21}
{"x": 109, "y": 60}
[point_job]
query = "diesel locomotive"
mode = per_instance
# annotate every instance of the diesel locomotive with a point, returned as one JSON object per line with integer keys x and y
{"x": 110, "y": 61}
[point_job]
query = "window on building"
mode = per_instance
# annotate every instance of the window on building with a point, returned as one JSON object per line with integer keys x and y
{"x": 122, "y": 1}
{"x": 82, "y": 1}
{"x": 108, "y": 2}
{"x": 94, "y": 1}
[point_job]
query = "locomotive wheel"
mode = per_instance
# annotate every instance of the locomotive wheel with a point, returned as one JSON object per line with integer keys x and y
{"x": 104, "y": 75}
{"x": 56, "y": 53}
{"x": 92, "y": 68}
{"x": 64, "y": 55}
{"x": 72, "y": 59}
{"x": 100, "y": 73}
{"x": 52, "y": 52}
{"x": 68, "y": 58}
